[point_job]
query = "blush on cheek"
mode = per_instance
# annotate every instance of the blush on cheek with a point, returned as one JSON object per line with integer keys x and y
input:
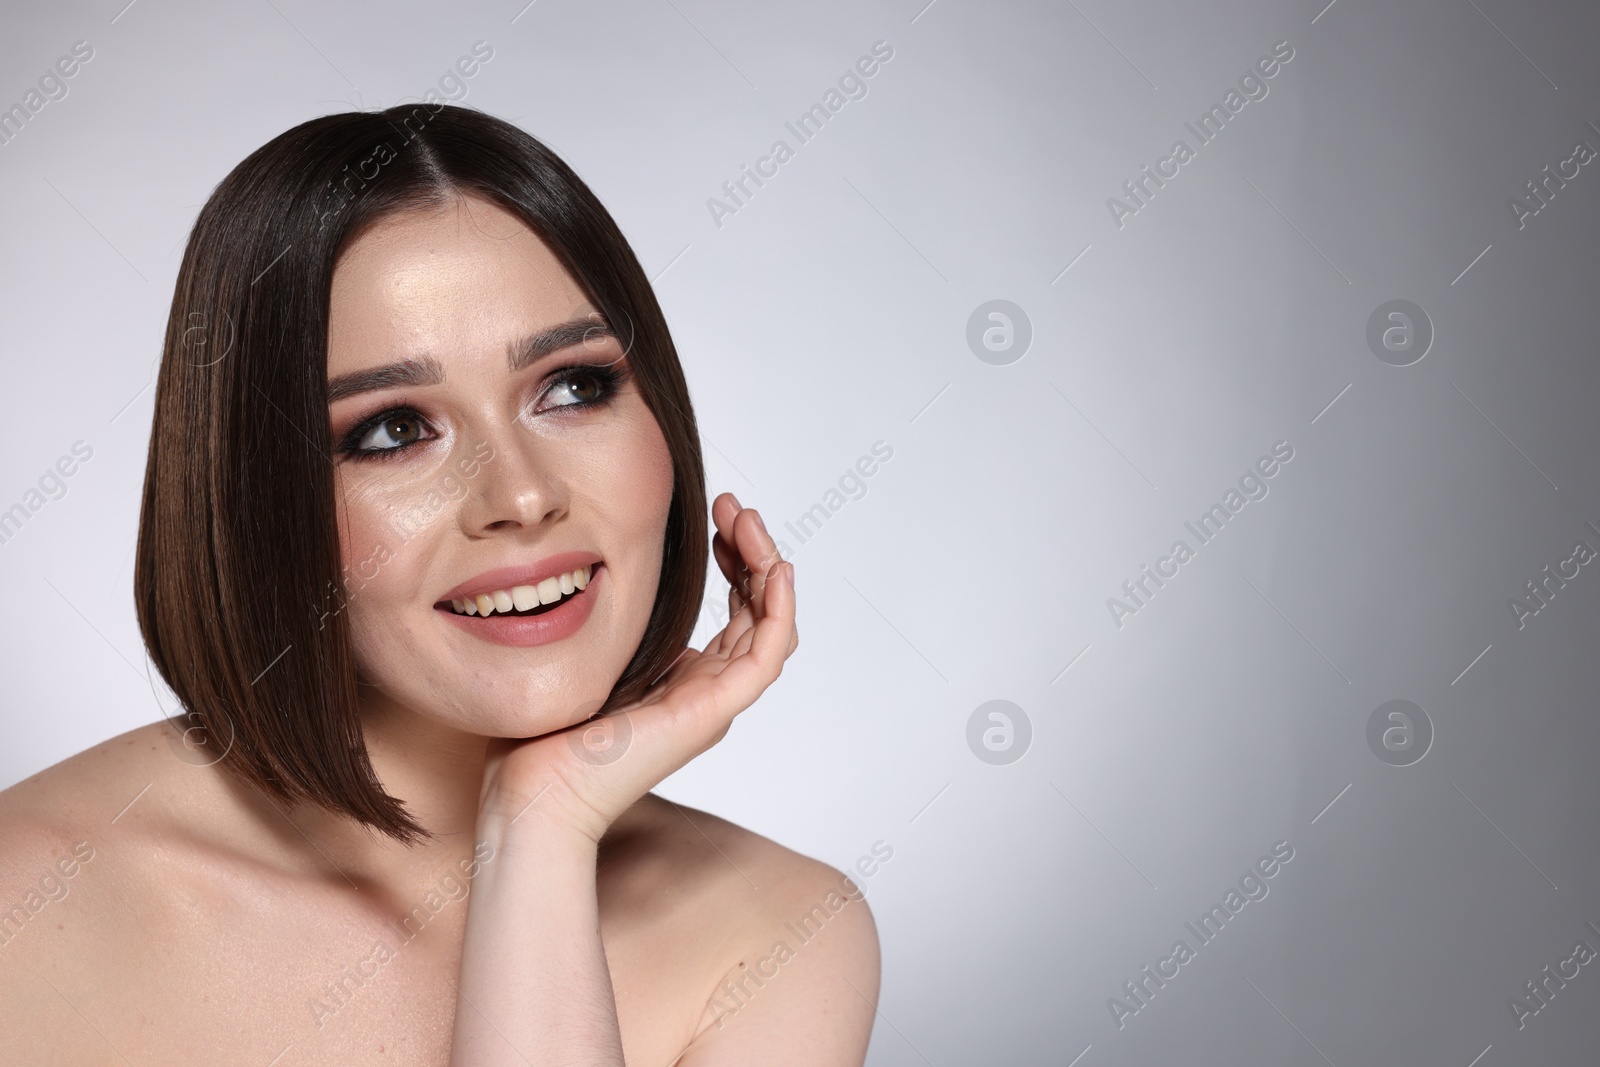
{"x": 653, "y": 473}
{"x": 359, "y": 534}
{"x": 651, "y": 487}
{"x": 656, "y": 486}
{"x": 385, "y": 645}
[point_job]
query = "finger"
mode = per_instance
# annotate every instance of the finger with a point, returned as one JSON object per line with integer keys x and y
{"x": 761, "y": 650}
{"x": 771, "y": 630}
{"x": 728, "y": 561}
{"x": 745, "y": 553}
{"x": 732, "y": 547}
{"x": 729, "y": 692}
{"x": 741, "y": 616}
{"x": 794, "y": 625}
{"x": 759, "y": 552}
{"x": 685, "y": 718}
{"x": 724, "y": 547}
{"x": 724, "y": 510}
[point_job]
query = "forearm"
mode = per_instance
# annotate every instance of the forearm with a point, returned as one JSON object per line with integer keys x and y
{"x": 535, "y": 987}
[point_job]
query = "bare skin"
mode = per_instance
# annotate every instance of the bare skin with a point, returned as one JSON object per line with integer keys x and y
{"x": 204, "y": 929}
{"x": 562, "y": 913}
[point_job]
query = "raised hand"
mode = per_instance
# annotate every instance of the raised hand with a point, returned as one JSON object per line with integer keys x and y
{"x": 555, "y": 777}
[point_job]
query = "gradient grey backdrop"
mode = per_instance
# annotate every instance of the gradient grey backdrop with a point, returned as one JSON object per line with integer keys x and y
{"x": 831, "y": 312}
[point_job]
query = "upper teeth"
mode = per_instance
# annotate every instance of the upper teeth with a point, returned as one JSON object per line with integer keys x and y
{"x": 523, "y": 597}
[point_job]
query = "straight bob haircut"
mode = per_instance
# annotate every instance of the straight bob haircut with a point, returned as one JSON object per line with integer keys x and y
{"x": 238, "y": 584}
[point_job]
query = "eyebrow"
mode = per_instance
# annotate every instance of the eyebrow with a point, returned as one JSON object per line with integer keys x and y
{"x": 425, "y": 370}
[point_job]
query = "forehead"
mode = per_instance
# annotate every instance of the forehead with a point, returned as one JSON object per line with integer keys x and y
{"x": 464, "y": 276}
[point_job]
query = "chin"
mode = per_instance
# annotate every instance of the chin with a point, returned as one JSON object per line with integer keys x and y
{"x": 442, "y": 669}
{"x": 497, "y": 703}
{"x": 536, "y": 716}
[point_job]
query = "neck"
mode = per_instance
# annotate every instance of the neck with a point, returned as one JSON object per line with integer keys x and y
{"x": 435, "y": 770}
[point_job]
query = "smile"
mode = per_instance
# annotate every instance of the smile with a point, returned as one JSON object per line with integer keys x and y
{"x": 525, "y": 600}
{"x": 528, "y": 604}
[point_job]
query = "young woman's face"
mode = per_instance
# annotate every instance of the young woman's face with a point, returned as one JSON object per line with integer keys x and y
{"x": 478, "y": 461}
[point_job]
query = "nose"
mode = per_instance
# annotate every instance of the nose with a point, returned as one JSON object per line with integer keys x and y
{"x": 516, "y": 486}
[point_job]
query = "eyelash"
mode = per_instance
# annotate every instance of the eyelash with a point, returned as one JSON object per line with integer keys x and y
{"x": 609, "y": 377}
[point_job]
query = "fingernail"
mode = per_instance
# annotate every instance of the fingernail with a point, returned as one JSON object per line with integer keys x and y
{"x": 788, "y": 573}
{"x": 760, "y": 523}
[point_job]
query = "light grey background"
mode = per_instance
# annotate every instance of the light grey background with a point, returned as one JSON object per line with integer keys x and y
{"x": 831, "y": 311}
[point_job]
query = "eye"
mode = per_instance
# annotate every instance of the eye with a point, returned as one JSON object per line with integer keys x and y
{"x": 584, "y": 385}
{"x": 388, "y": 433}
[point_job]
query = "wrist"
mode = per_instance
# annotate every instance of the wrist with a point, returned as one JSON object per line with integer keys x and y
{"x": 537, "y": 831}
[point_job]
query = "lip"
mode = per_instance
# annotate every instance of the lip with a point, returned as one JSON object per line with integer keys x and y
{"x": 529, "y": 574}
{"x": 561, "y": 621}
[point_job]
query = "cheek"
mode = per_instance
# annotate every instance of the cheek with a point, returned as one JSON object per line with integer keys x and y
{"x": 377, "y": 561}
{"x": 645, "y": 482}
{"x": 381, "y": 585}
{"x": 659, "y": 470}
{"x": 627, "y": 487}
{"x": 365, "y": 549}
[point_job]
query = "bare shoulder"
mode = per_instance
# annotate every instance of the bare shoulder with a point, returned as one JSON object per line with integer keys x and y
{"x": 59, "y": 829}
{"x": 70, "y": 801}
{"x": 780, "y": 942}
{"x": 118, "y": 810}
{"x": 45, "y": 832}
{"x": 91, "y": 790}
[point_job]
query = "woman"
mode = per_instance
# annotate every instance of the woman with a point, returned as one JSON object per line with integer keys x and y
{"x": 424, "y": 498}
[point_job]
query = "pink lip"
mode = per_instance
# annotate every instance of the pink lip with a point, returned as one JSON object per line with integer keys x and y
{"x": 560, "y": 622}
{"x": 530, "y": 574}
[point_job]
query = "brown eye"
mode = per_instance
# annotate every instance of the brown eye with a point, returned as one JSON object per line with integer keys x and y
{"x": 393, "y": 432}
{"x": 402, "y": 430}
{"x": 583, "y": 386}
{"x": 578, "y": 389}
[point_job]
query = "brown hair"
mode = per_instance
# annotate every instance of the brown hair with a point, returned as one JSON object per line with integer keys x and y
{"x": 238, "y": 546}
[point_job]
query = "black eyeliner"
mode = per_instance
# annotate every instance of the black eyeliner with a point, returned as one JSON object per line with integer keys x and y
{"x": 352, "y": 439}
{"x": 611, "y": 376}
